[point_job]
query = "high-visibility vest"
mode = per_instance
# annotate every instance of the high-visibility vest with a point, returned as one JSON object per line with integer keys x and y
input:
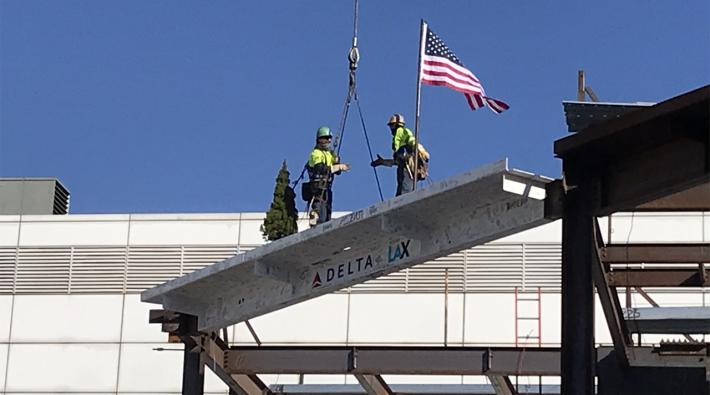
{"x": 319, "y": 156}
{"x": 402, "y": 137}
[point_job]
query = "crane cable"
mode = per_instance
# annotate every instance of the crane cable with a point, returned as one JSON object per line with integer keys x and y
{"x": 352, "y": 96}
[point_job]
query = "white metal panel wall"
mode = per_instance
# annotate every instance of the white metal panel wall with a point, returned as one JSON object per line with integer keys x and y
{"x": 9, "y": 230}
{"x": 322, "y": 319}
{"x": 397, "y": 319}
{"x": 63, "y": 230}
{"x": 67, "y": 318}
{"x": 171, "y": 229}
{"x": 683, "y": 227}
{"x": 3, "y": 365}
{"x": 135, "y": 322}
{"x": 490, "y": 319}
{"x": 62, "y": 367}
{"x": 5, "y": 317}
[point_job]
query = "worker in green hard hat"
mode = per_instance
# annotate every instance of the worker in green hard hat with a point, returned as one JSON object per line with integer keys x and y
{"x": 322, "y": 165}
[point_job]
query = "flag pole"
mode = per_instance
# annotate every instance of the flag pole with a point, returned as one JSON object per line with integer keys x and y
{"x": 422, "y": 40}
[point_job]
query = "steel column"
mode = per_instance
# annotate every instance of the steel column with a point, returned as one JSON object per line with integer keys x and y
{"x": 193, "y": 376}
{"x": 577, "y": 358}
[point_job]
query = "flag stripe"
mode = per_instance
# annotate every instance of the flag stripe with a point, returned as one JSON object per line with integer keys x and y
{"x": 441, "y": 67}
{"x": 493, "y": 106}
{"x": 447, "y": 82}
{"x": 443, "y": 71}
{"x": 438, "y": 61}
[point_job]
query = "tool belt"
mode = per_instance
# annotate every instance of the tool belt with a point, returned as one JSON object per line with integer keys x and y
{"x": 314, "y": 188}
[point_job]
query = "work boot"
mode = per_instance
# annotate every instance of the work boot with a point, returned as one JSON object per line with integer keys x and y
{"x": 313, "y": 218}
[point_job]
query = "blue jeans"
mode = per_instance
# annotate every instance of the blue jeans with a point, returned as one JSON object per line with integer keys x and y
{"x": 404, "y": 180}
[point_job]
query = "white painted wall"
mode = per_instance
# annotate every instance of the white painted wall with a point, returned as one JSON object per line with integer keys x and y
{"x": 102, "y": 343}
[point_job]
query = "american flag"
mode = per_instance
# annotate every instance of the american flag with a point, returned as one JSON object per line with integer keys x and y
{"x": 440, "y": 66}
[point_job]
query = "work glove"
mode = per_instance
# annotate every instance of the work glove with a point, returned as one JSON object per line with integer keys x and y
{"x": 339, "y": 167}
{"x": 380, "y": 161}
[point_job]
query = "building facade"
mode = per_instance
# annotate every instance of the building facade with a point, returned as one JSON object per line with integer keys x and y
{"x": 71, "y": 320}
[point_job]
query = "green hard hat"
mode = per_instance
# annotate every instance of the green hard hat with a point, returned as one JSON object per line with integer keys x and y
{"x": 323, "y": 131}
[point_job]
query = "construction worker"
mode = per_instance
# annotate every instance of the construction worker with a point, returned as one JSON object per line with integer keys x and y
{"x": 322, "y": 165}
{"x": 403, "y": 145}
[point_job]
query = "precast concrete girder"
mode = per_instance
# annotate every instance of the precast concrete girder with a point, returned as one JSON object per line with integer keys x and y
{"x": 469, "y": 209}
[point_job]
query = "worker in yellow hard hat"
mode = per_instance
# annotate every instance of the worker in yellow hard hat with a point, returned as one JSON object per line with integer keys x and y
{"x": 322, "y": 165}
{"x": 403, "y": 145}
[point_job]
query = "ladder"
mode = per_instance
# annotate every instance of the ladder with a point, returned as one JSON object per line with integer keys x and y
{"x": 528, "y": 308}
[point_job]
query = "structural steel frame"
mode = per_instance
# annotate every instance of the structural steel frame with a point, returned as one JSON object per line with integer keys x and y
{"x": 653, "y": 158}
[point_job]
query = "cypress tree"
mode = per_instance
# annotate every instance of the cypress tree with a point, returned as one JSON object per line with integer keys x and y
{"x": 281, "y": 219}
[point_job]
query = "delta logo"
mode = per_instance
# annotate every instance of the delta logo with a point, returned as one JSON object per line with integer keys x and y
{"x": 395, "y": 252}
{"x": 343, "y": 270}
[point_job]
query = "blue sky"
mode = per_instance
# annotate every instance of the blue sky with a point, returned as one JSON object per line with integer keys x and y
{"x": 190, "y": 106}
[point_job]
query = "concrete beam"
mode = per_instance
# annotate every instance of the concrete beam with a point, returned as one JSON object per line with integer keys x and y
{"x": 472, "y": 208}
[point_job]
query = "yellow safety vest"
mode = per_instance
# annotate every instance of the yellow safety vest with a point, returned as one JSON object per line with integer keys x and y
{"x": 402, "y": 136}
{"x": 319, "y": 156}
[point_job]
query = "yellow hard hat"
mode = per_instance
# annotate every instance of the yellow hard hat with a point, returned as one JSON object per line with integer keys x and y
{"x": 396, "y": 119}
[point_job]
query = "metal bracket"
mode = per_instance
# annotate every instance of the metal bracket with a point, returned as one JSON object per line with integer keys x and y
{"x": 352, "y": 360}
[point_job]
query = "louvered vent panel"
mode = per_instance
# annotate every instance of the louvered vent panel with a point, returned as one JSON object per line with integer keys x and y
{"x": 7, "y": 269}
{"x": 43, "y": 270}
{"x": 150, "y": 266}
{"x": 98, "y": 270}
{"x": 494, "y": 268}
{"x": 543, "y": 266}
{"x": 195, "y": 258}
{"x": 431, "y": 276}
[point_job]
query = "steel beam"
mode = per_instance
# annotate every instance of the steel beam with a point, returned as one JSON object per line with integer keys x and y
{"x": 610, "y": 305}
{"x": 502, "y": 385}
{"x": 374, "y": 384}
{"x": 463, "y": 211}
{"x": 410, "y": 389}
{"x": 394, "y": 360}
{"x": 645, "y": 155}
{"x": 666, "y": 320}
{"x": 214, "y": 352}
{"x": 663, "y": 277}
{"x": 656, "y": 253}
{"x": 693, "y": 199}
